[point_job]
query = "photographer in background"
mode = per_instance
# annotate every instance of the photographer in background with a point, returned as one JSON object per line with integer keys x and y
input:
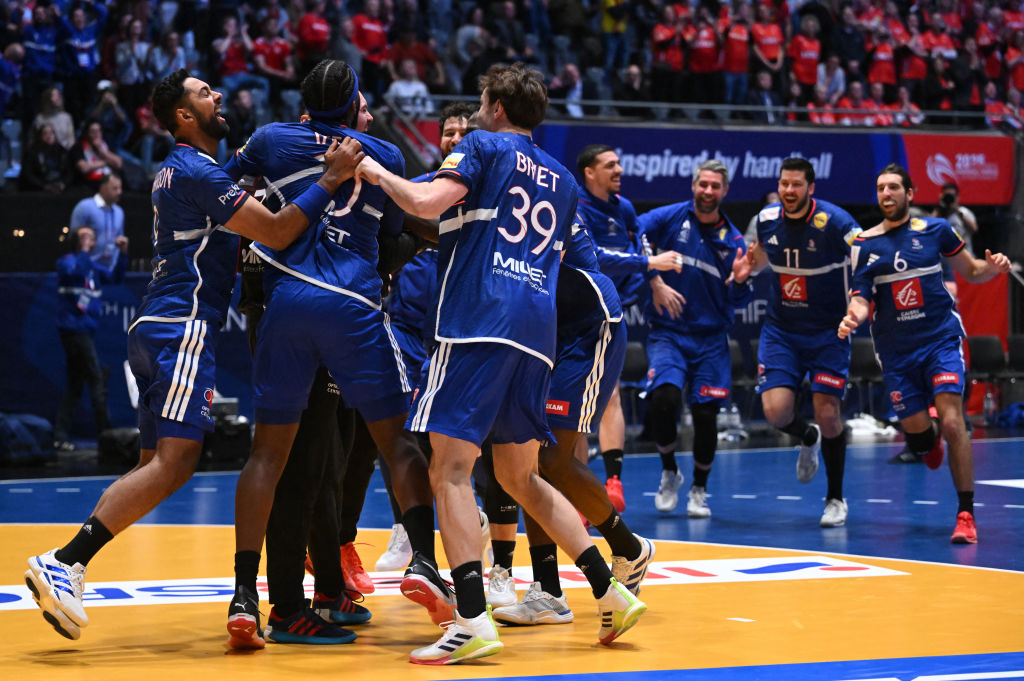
{"x": 961, "y": 217}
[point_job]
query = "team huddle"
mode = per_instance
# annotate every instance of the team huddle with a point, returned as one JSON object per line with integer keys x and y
{"x": 520, "y": 346}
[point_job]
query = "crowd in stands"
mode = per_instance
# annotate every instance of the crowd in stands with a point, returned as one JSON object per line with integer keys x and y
{"x": 67, "y": 64}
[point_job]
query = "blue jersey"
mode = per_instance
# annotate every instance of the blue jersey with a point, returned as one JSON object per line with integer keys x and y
{"x": 499, "y": 248}
{"x": 194, "y": 256}
{"x": 339, "y": 252}
{"x": 708, "y": 252}
{"x": 585, "y": 296}
{"x": 900, "y": 271}
{"x": 810, "y": 260}
{"x": 78, "y": 294}
{"x": 612, "y": 224}
{"x": 413, "y": 295}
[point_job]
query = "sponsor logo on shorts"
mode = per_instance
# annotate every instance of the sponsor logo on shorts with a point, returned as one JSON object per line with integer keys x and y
{"x": 711, "y": 391}
{"x": 946, "y": 377}
{"x": 559, "y": 407}
{"x": 896, "y": 396}
{"x": 650, "y": 374}
{"x": 793, "y": 287}
{"x": 826, "y": 379}
{"x": 208, "y": 396}
{"x": 907, "y": 294}
{"x": 761, "y": 378}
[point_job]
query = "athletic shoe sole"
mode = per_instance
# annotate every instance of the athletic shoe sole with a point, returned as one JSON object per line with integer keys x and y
{"x": 288, "y": 637}
{"x": 419, "y": 590}
{"x": 630, "y": 618}
{"x": 488, "y": 650}
{"x": 244, "y": 633}
{"x": 53, "y": 615}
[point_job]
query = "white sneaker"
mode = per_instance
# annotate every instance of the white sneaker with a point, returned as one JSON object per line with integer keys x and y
{"x": 486, "y": 550}
{"x": 835, "y": 513}
{"x": 501, "y": 587}
{"x": 807, "y": 462}
{"x": 398, "y": 553}
{"x": 462, "y": 640}
{"x": 630, "y": 573}
{"x": 619, "y": 610}
{"x": 537, "y": 607}
{"x": 697, "y": 503}
{"x": 57, "y": 589}
{"x": 668, "y": 491}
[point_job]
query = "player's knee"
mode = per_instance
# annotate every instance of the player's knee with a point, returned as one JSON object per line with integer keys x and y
{"x": 777, "y": 415}
{"x": 704, "y": 416}
{"x": 666, "y": 403}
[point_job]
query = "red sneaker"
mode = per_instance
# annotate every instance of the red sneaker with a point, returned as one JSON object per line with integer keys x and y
{"x": 352, "y": 570}
{"x": 613, "y": 486}
{"x": 933, "y": 459}
{"x": 965, "y": 532}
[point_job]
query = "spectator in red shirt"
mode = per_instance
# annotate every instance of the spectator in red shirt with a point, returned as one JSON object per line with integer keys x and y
{"x": 768, "y": 45}
{"x": 429, "y": 69}
{"x": 736, "y": 62}
{"x": 882, "y": 66}
{"x": 849, "y": 109}
{"x": 939, "y": 40}
{"x": 705, "y": 69}
{"x": 805, "y": 53}
{"x": 905, "y": 113}
{"x": 877, "y": 102}
{"x": 313, "y": 36}
{"x": 233, "y": 52}
{"x": 371, "y": 37}
{"x": 990, "y": 36}
{"x": 894, "y": 23}
{"x": 1014, "y": 18}
{"x": 1015, "y": 61}
{"x": 819, "y": 109}
{"x": 997, "y": 115}
{"x": 949, "y": 15}
{"x": 667, "y": 57}
{"x": 914, "y": 64}
{"x": 272, "y": 56}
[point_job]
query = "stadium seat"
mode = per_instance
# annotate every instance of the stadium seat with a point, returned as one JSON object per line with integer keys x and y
{"x": 633, "y": 379}
{"x": 864, "y": 370}
{"x": 741, "y": 377}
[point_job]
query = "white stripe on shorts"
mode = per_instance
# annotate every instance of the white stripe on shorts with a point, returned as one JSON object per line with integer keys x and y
{"x": 593, "y": 384}
{"x": 185, "y": 369}
{"x": 402, "y": 371}
{"x": 438, "y": 367}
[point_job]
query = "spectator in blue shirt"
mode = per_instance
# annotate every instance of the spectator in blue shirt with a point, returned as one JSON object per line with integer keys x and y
{"x": 80, "y": 55}
{"x": 78, "y": 306}
{"x": 106, "y": 219}
{"x": 37, "y": 73}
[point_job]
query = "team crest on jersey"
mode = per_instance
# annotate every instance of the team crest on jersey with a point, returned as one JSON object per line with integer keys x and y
{"x": 917, "y": 224}
{"x": 452, "y": 161}
{"x": 907, "y": 294}
{"x": 684, "y": 232}
{"x": 811, "y": 246}
{"x": 915, "y": 244}
{"x": 793, "y": 287}
{"x": 820, "y": 220}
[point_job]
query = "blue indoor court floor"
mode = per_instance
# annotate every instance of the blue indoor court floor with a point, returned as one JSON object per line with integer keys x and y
{"x": 758, "y": 591}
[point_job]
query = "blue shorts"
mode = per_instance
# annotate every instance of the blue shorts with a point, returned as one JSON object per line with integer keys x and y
{"x": 175, "y": 371}
{"x": 913, "y": 378}
{"x": 586, "y": 371}
{"x": 700, "y": 360}
{"x": 784, "y": 358}
{"x": 414, "y": 354}
{"x": 473, "y": 390}
{"x": 305, "y": 326}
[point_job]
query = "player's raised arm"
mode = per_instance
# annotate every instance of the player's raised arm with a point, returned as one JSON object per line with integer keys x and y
{"x": 976, "y": 270}
{"x": 422, "y": 199}
{"x": 278, "y": 230}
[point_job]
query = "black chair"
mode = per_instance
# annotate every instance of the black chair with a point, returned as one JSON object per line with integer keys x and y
{"x": 864, "y": 370}
{"x": 1015, "y": 356}
{"x": 988, "y": 365}
{"x": 741, "y": 376}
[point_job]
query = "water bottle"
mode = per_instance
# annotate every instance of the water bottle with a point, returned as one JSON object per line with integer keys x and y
{"x": 735, "y": 422}
{"x": 990, "y": 408}
{"x": 721, "y": 421}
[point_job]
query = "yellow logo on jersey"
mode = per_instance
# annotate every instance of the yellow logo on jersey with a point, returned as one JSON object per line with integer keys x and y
{"x": 820, "y": 220}
{"x": 918, "y": 225}
{"x": 721, "y": 234}
{"x": 452, "y": 161}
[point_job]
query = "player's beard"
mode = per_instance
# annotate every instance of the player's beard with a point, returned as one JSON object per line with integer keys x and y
{"x": 800, "y": 206}
{"x": 898, "y": 212}
{"x": 213, "y": 126}
{"x": 705, "y": 206}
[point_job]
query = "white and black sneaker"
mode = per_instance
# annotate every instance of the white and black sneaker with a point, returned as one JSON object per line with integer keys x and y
{"x": 244, "y": 632}
{"x": 463, "y": 639}
{"x": 423, "y": 584}
{"x": 807, "y": 461}
{"x": 629, "y": 573}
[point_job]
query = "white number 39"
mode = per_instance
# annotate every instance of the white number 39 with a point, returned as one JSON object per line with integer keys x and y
{"x": 520, "y": 213}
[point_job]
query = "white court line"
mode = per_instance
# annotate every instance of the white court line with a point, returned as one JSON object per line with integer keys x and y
{"x": 925, "y": 502}
{"x": 68, "y": 490}
{"x": 784, "y": 497}
{"x": 879, "y": 501}
{"x": 20, "y": 490}
{"x": 744, "y": 496}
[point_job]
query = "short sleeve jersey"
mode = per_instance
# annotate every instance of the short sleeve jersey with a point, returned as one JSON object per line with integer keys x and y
{"x": 500, "y": 246}
{"x": 612, "y": 226}
{"x": 708, "y": 252}
{"x": 194, "y": 255}
{"x": 339, "y": 253}
{"x": 810, "y": 260}
{"x": 901, "y": 272}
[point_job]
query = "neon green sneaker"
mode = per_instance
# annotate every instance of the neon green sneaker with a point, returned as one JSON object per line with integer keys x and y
{"x": 619, "y": 610}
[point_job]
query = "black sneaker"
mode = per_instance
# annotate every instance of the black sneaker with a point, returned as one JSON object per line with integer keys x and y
{"x": 907, "y": 456}
{"x": 244, "y": 621}
{"x": 306, "y": 626}
{"x": 422, "y": 584}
